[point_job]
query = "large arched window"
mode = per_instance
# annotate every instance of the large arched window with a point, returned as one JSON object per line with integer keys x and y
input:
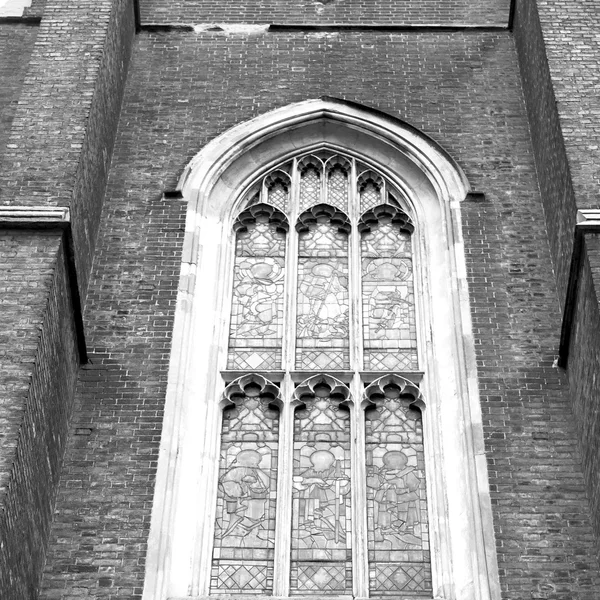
{"x": 322, "y": 305}
{"x": 322, "y": 430}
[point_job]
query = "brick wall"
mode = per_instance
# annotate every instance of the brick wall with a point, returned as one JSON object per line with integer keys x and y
{"x": 464, "y": 90}
{"x": 559, "y": 59}
{"x": 480, "y": 12}
{"x": 38, "y": 367}
{"x": 16, "y": 44}
{"x": 63, "y": 130}
{"x": 547, "y": 138}
{"x": 57, "y": 152}
{"x": 584, "y": 359}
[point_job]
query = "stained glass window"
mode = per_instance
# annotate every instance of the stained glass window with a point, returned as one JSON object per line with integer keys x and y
{"x": 323, "y": 309}
{"x": 323, "y": 302}
{"x": 321, "y": 560}
{"x": 389, "y": 327}
{"x": 256, "y": 327}
{"x": 243, "y": 552}
{"x": 399, "y": 560}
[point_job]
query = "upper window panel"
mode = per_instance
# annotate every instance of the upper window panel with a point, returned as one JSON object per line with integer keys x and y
{"x": 323, "y": 277}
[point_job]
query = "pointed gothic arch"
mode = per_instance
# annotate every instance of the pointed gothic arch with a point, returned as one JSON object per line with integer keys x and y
{"x": 432, "y": 186}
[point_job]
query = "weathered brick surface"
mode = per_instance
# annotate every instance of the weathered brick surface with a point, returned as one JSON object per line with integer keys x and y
{"x": 57, "y": 152}
{"x": 573, "y": 58}
{"x": 38, "y": 367}
{"x": 102, "y": 518}
{"x": 480, "y": 12}
{"x": 60, "y": 146}
{"x": 16, "y": 44}
{"x": 461, "y": 88}
{"x": 559, "y": 60}
{"x": 583, "y": 368}
{"x": 36, "y": 9}
{"x": 547, "y": 138}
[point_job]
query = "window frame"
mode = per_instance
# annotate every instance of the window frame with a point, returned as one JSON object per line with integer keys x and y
{"x": 460, "y": 517}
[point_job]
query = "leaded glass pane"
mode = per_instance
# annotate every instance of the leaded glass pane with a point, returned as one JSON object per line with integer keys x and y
{"x": 243, "y": 552}
{"x": 322, "y": 321}
{"x": 278, "y": 188}
{"x": 321, "y": 527}
{"x": 389, "y": 328}
{"x": 337, "y": 187}
{"x": 398, "y": 535}
{"x": 310, "y": 186}
{"x": 256, "y": 327}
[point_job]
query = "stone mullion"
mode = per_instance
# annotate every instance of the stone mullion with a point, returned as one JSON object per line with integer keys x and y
{"x": 360, "y": 559}
{"x": 354, "y": 269}
{"x": 283, "y": 531}
{"x": 291, "y": 281}
{"x": 360, "y": 568}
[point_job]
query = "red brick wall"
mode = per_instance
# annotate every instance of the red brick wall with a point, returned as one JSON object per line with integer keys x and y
{"x": 464, "y": 90}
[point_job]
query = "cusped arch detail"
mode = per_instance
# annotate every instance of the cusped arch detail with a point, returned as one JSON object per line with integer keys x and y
{"x": 394, "y": 145}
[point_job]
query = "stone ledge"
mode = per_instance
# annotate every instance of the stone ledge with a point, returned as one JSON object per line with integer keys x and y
{"x": 34, "y": 217}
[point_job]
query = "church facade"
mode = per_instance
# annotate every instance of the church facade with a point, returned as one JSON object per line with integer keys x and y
{"x": 299, "y": 299}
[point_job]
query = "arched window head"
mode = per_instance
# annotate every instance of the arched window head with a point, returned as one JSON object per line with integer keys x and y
{"x": 322, "y": 433}
{"x": 345, "y": 272}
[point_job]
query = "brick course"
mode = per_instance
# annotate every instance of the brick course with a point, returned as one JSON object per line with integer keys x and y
{"x": 38, "y": 367}
{"x": 480, "y": 12}
{"x": 464, "y": 90}
{"x": 16, "y": 44}
{"x": 60, "y": 146}
{"x": 559, "y": 60}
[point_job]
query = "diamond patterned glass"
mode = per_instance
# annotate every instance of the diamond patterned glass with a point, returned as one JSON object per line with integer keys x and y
{"x": 310, "y": 187}
{"x": 278, "y": 190}
{"x": 337, "y": 188}
{"x": 245, "y": 525}
{"x": 370, "y": 196}
{"x": 389, "y": 326}
{"x": 398, "y": 536}
{"x": 321, "y": 526}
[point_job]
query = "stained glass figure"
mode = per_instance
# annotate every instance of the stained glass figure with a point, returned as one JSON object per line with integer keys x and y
{"x": 338, "y": 169}
{"x": 322, "y": 316}
{"x": 389, "y": 327}
{"x": 243, "y": 552}
{"x": 398, "y": 536}
{"x": 370, "y": 186}
{"x": 256, "y": 328}
{"x": 321, "y": 526}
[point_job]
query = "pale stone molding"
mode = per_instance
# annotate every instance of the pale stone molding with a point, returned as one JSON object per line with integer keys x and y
{"x": 39, "y": 216}
{"x": 464, "y": 564}
{"x": 13, "y": 8}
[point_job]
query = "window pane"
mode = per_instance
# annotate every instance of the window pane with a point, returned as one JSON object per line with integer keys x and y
{"x": 399, "y": 560}
{"x": 256, "y": 328}
{"x": 322, "y": 333}
{"x": 389, "y": 328}
{"x": 245, "y": 526}
{"x": 321, "y": 528}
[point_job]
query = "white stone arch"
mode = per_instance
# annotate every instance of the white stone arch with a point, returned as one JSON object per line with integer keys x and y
{"x": 464, "y": 561}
